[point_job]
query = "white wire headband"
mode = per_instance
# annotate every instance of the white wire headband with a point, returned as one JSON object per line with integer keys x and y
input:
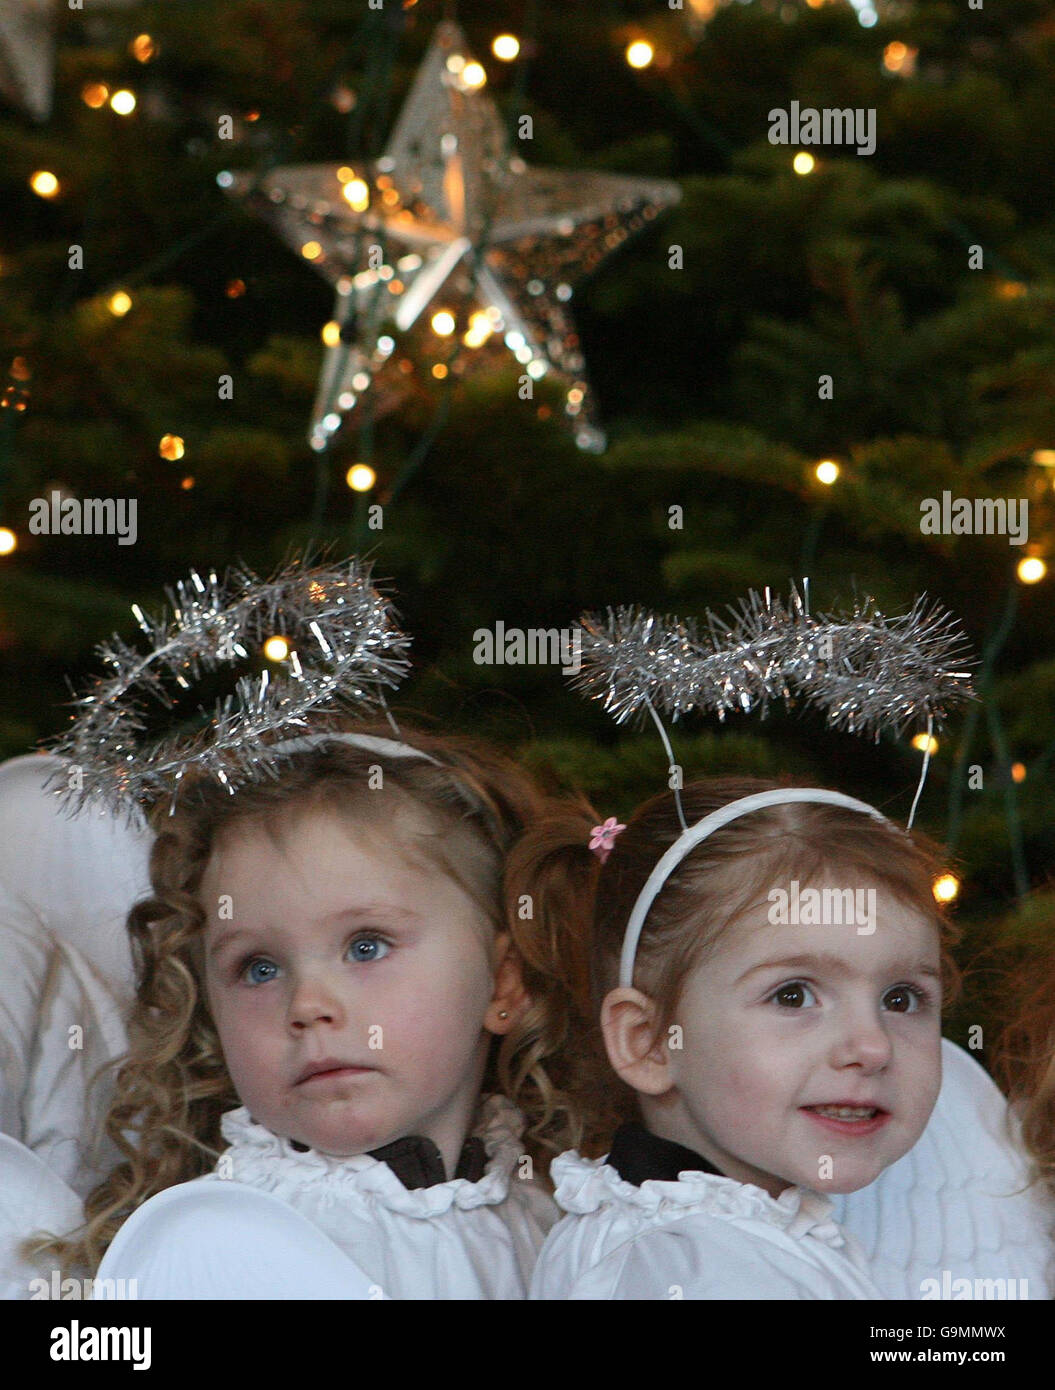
{"x": 696, "y": 834}
{"x": 865, "y": 671}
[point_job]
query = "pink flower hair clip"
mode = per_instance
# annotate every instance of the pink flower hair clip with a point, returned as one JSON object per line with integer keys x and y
{"x": 602, "y": 838}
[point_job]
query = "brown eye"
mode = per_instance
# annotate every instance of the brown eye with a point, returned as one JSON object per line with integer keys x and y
{"x": 903, "y": 999}
{"x": 793, "y": 995}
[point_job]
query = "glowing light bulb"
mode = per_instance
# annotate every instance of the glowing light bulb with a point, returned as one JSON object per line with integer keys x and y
{"x": 1018, "y": 772}
{"x": 925, "y": 743}
{"x": 276, "y": 649}
{"x": 356, "y": 192}
{"x": 505, "y": 46}
{"x": 473, "y": 75}
{"x": 44, "y": 183}
{"x": 143, "y": 48}
{"x": 443, "y": 323}
{"x": 803, "y": 163}
{"x": 120, "y": 303}
{"x": 1031, "y": 570}
{"x": 123, "y": 102}
{"x": 8, "y": 540}
{"x": 640, "y": 53}
{"x": 826, "y": 472}
{"x": 331, "y": 333}
{"x": 311, "y": 250}
{"x": 360, "y": 477}
{"x": 1045, "y": 457}
{"x": 95, "y": 94}
{"x": 171, "y": 447}
{"x": 946, "y": 888}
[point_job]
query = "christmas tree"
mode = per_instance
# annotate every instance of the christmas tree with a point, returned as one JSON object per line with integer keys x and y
{"x": 819, "y": 350}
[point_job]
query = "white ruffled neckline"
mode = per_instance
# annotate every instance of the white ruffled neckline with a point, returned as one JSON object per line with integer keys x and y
{"x": 583, "y": 1185}
{"x": 265, "y": 1161}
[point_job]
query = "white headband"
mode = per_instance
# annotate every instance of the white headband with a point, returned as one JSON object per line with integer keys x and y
{"x": 696, "y": 834}
{"x": 371, "y": 744}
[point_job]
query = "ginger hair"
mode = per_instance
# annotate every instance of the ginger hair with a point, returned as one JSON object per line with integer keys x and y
{"x": 1025, "y": 1063}
{"x": 583, "y": 909}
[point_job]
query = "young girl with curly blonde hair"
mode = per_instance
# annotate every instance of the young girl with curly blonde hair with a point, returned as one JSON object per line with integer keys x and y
{"x": 331, "y": 1037}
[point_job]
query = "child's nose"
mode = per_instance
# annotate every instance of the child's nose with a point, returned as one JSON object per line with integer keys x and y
{"x": 313, "y": 1001}
{"x": 862, "y": 1041}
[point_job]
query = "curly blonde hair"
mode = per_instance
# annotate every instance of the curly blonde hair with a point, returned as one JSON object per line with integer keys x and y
{"x": 173, "y": 1087}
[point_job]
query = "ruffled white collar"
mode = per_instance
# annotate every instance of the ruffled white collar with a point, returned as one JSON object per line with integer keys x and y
{"x": 584, "y": 1185}
{"x": 263, "y": 1160}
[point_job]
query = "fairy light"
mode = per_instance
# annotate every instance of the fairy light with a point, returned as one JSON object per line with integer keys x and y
{"x": 8, "y": 540}
{"x": 120, "y": 303}
{"x": 276, "y": 649}
{"x": 95, "y": 94}
{"x": 360, "y": 477}
{"x": 331, "y": 333}
{"x": 443, "y": 323}
{"x": 640, "y": 53}
{"x": 803, "y": 163}
{"x": 311, "y": 250}
{"x": 1018, "y": 772}
{"x": 171, "y": 447}
{"x": 505, "y": 46}
{"x": 123, "y": 102}
{"x": 946, "y": 888}
{"x": 925, "y": 743}
{"x": 826, "y": 472}
{"x": 1031, "y": 570}
{"x": 1045, "y": 458}
{"x": 473, "y": 75}
{"x": 900, "y": 58}
{"x": 143, "y": 48}
{"x": 439, "y": 371}
{"x": 356, "y": 192}
{"x": 480, "y": 329}
{"x": 44, "y": 183}
{"x": 187, "y": 483}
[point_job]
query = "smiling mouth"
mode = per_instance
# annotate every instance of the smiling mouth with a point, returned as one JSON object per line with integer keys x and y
{"x": 846, "y": 1112}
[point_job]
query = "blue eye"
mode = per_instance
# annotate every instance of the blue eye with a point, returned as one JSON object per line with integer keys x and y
{"x": 368, "y": 948}
{"x": 792, "y": 995}
{"x": 253, "y": 971}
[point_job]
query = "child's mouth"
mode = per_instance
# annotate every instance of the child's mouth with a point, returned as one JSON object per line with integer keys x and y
{"x": 849, "y": 1119}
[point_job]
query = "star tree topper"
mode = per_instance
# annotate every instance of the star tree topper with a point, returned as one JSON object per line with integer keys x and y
{"x": 449, "y": 219}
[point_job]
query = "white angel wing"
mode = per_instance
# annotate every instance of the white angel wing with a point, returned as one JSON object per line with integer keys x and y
{"x": 213, "y": 1239}
{"x": 77, "y": 876}
{"x": 959, "y": 1206}
{"x": 32, "y": 1198}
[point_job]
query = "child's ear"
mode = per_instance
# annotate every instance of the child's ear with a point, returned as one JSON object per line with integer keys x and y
{"x": 509, "y": 999}
{"x": 628, "y": 1024}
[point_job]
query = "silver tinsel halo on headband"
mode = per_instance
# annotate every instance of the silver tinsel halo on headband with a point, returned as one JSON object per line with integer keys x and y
{"x": 866, "y": 672}
{"x": 345, "y": 649}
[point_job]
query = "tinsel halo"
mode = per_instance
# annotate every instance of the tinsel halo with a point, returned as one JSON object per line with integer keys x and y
{"x": 865, "y": 671}
{"x": 345, "y": 649}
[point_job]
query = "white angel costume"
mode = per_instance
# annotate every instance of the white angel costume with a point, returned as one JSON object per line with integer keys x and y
{"x": 470, "y": 1237}
{"x": 697, "y": 1236}
{"x": 958, "y": 1210}
{"x": 957, "y": 1202}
